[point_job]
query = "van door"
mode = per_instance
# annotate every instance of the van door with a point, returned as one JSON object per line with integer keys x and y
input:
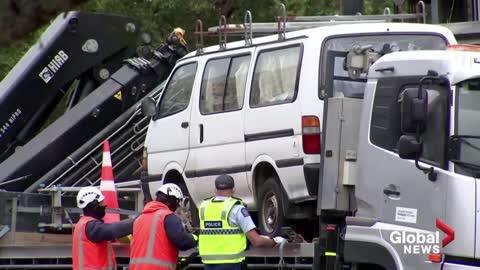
{"x": 217, "y": 143}
{"x": 273, "y": 118}
{"x": 167, "y": 138}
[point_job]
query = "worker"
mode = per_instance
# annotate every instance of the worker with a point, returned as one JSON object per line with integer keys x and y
{"x": 159, "y": 234}
{"x": 225, "y": 225}
{"x": 92, "y": 246}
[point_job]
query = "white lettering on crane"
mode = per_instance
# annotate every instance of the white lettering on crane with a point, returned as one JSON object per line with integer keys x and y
{"x": 4, "y": 127}
{"x": 53, "y": 66}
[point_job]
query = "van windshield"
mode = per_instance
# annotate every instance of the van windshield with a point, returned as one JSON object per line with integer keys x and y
{"x": 380, "y": 43}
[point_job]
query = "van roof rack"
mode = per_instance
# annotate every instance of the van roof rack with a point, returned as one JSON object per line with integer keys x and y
{"x": 286, "y": 23}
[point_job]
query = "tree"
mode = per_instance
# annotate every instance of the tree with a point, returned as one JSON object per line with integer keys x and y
{"x": 18, "y": 18}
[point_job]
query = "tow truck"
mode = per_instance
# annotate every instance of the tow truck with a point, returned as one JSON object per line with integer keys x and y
{"x": 406, "y": 154}
{"x": 378, "y": 174}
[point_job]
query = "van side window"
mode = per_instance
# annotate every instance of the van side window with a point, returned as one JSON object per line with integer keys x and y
{"x": 223, "y": 84}
{"x": 275, "y": 77}
{"x": 385, "y": 129}
{"x": 178, "y": 91}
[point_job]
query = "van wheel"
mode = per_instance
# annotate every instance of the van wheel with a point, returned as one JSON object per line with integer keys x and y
{"x": 271, "y": 216}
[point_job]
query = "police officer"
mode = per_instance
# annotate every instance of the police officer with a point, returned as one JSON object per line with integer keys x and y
{"x": 159, "y": 234}
{"x": 225, "y": 225}
{"x": 92, "y": 247}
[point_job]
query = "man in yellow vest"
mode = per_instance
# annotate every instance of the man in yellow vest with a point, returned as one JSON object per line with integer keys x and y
{"x": 225, "y": 225}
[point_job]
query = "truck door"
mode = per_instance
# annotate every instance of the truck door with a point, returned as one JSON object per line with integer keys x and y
{"x": 217, "y": 144}
{"x": 167, "y": 140}
{"x": 408, "y": 197}
{"x": 466, "y": 142}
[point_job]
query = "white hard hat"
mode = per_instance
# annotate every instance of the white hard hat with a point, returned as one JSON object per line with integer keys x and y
{"x": 87, "y": 195}
{"x": 171, "y": 190}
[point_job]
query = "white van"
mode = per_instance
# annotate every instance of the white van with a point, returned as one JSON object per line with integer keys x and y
{"x": 255, "y": 112}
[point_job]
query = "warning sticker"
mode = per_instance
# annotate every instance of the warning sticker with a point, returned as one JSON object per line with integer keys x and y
{"x": 118, "y": 95}
{"x": 408, "y": 215}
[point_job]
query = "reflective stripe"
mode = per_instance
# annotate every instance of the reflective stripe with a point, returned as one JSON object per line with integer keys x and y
{"x": 152, "y": 261}
{"x": 106, "y": 160}
{"x": 202, "y": 213}
{"x": 107, "y": 185}
{"x": 328, "y": 253}
{"x": 227, "y": 206}
{"x": 109, "y": 255}
{"x": 203, "y": 205}
{"x": 148, "y": 259}
{"x": 224, "y": 256}
{"x": 151, "y": 238}
{"x": 80, "y": 248}
{"x": 80, "y": 251}
{"x": 220, "y": 231}
{"x": 228, "y": 203}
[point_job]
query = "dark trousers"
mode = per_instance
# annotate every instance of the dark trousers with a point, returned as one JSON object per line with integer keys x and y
{"x": 227, "y": 266}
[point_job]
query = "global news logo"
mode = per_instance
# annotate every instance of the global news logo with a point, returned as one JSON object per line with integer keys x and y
{"x": 422, "y": 242}
{"x": 46, "y": 75}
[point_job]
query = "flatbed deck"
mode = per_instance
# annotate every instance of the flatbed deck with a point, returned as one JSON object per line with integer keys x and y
{"x": 31, "y": 250}
{"x": 51, "y": 251}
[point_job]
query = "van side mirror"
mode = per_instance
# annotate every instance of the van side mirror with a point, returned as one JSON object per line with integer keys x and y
{"x": 413, "y": 110}
{"x": 149, "y": 108}
{"x": 409, "y": 147}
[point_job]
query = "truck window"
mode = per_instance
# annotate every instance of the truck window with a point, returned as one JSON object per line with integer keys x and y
{"x": 275, "y": 77}
{"x": 178, "y": 91}
{"x": 223, "y": 84}
{"x": 385, "y": 129}
{"x": 380, "y": 43}
{"x": 467, "y": 112}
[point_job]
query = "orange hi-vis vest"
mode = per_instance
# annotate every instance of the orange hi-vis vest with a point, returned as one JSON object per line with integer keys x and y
{"x": 150, "y": 247}
{"x": 87, "y": 255}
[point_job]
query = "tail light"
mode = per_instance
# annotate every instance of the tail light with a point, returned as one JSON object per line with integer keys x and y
{"x": 311, "y": 134}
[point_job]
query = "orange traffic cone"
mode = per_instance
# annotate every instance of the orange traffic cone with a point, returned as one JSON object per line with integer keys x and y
{"x": 107, "y": 185}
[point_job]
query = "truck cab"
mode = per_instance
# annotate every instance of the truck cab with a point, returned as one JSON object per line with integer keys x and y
{"x": 409, "y": 168}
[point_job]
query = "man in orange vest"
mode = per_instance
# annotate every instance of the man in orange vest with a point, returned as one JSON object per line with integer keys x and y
{"x": 159, "y": 234}
{"x": 92, "y": 247}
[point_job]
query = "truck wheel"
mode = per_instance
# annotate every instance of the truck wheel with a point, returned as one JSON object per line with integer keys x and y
{"x": 271, "y": 216}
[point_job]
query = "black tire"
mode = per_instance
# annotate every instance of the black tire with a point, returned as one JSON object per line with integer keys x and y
{"x": 270, "y": 206}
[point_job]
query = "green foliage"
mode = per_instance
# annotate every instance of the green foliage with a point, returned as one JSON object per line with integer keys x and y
{"x": 323, "y": 7}
{"x": 378, "y": 7}
{"x": 11, "y": 54}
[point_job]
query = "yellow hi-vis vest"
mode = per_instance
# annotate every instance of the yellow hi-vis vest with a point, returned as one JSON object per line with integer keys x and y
{"x": 218, "y": 242}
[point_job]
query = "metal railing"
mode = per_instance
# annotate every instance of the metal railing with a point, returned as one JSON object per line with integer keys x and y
{"x": 126, "y": 149}
{"x": 286, "y": 23}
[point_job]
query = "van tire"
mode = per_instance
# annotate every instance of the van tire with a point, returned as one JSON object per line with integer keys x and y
{"x": 270, "y": 205}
